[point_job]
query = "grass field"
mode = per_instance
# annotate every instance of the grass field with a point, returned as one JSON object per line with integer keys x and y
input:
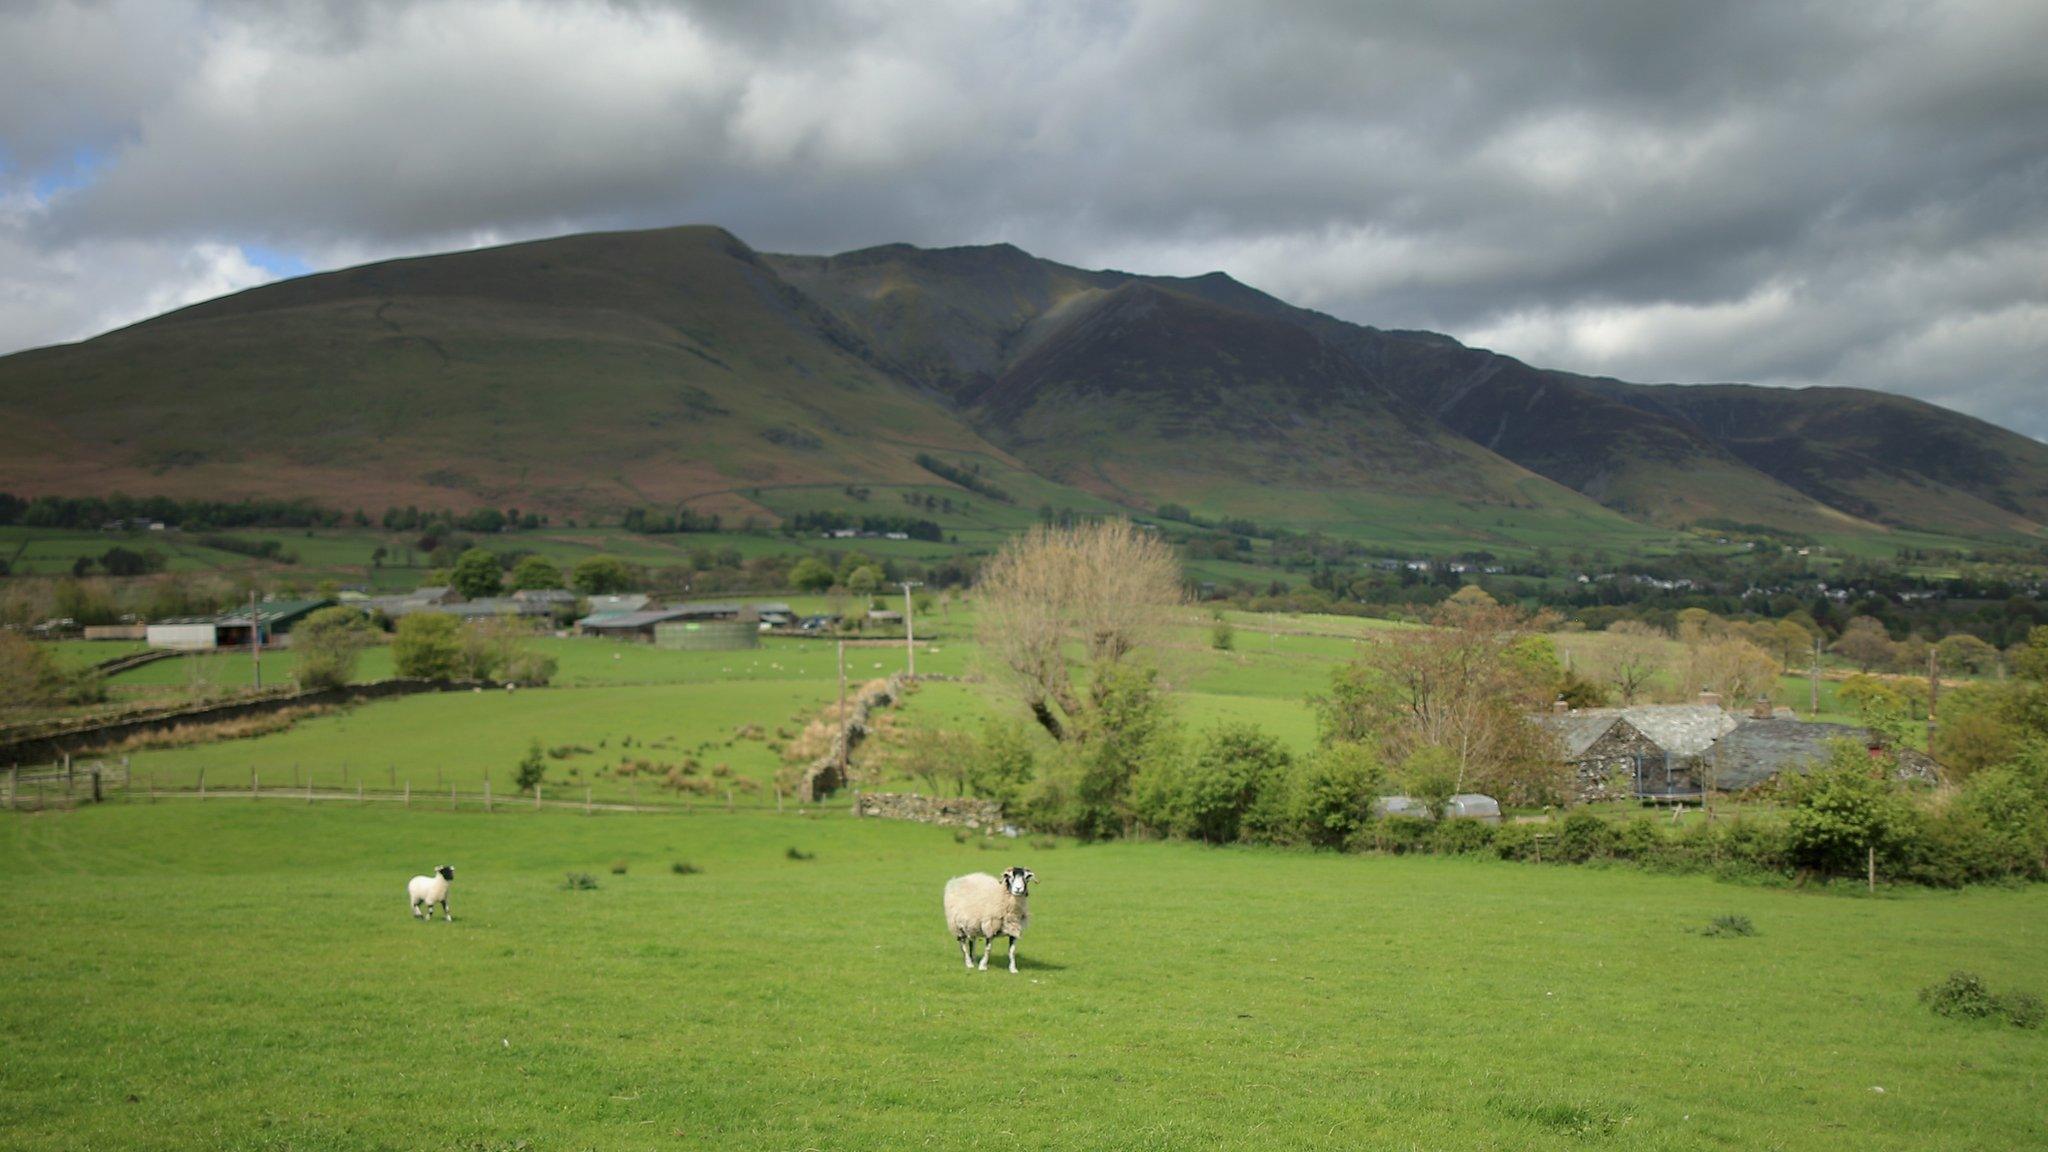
{"x": 246, "y": 976}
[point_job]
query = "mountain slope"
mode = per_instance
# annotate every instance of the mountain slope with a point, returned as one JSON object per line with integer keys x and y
{"x": 582, "y": 373}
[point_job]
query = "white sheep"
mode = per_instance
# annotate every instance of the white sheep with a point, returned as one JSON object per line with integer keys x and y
{"x": 981, "y": 906}
{"x": 427, "y": 891}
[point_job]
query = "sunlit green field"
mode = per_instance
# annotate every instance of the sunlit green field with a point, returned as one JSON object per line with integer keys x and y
{"x": 247, "y": 976}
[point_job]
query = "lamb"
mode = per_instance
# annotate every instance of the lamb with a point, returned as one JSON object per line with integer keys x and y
{"x": 980, "y": 905}
{"x": 426, "y": 891}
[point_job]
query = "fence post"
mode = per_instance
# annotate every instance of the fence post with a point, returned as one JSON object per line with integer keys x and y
{"x": 536, "y": 797}
{"x": 202, "y": 783}
{"x": 452, "y": 802}
{"x": 344, "y": 773}
{"x": 586, "y": 799}
{"x": 309, "y": 788}
{"x": 487, "y": 791}
{"x": 255, "y": 784}
{"x": 408, "y": 791}
{"x": 97, "y": 797}
{"x": 778, "y": 799}
{"x": 728, "y": 799}
{"x": 127, "y": 777}
{"x": 393, "y": 769}
{"x": 359, "y": 789}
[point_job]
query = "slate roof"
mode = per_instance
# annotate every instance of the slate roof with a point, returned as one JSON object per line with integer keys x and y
{"x": 1761, "y": 749}
{"x": 624, "y": 602}
{"x": 1679, "y": 729}
{"x": 629, "y": 620}
{"x": 271, "y": 613}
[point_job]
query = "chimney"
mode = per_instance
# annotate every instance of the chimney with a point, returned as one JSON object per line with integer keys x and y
{"x": 1561, "y": 707}
{"x": 1762, "y": 709}
{"x": 1710, "y": 699}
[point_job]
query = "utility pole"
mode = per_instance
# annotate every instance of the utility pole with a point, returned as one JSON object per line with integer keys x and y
{"x": 255, "y": 642}
{"x": 1813, "y": 684}
{"x": 910, "y": 628}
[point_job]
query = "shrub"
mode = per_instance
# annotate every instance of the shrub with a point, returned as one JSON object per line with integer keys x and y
{"x": 1638, "y": 839}
{"x": 1515, "y": 841}
{"x": 579, "y": 882}
{"x": 799, "y": 854}
{"x": 1843, "y": 811}
{"x": 1329, "y": 799}
{"x": 1963, "y": 996}
{"x": 532, "y": 769}
{"x": 1731, "y": 924}
{"x": 1210, "y": 797}
{"x": 2023, "y": 1009}
{"x": 1463, "y": 837}
{"x": 1584, "y": 836}
{"x": 684, "y": 868}
{"x": 619, "y": 867}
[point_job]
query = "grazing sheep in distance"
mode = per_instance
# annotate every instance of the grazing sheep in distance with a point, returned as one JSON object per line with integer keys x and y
{"x": 426, "y": 891}
{"x": 982, "y": 906}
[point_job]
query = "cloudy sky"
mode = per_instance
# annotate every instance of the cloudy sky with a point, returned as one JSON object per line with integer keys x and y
{"x": 1779, "y": 192}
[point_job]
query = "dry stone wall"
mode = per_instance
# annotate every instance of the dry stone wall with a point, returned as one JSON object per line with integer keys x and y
{"x": 954, "y": 811}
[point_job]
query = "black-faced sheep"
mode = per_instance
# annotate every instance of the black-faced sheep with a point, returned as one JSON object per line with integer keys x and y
{"x": 980, "y": 906}
{"x": 427, "y": 891}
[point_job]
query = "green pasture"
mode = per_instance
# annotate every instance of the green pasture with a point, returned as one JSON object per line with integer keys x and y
{"x": 247, "y": 976}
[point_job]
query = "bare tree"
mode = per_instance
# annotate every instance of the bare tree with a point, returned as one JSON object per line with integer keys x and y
{"x": 1738, "y": 670}
{"x": 1100, "y": 592}
{"x": 1629, "y": 658}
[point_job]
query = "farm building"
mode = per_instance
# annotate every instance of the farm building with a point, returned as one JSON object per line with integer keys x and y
{"x": 627, "y": 625}
{"x": 557, "y": 599}
{"x": 274, "y": 619}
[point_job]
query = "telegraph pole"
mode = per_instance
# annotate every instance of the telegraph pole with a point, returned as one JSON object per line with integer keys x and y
{"x": 910, "y": 628}
{"x": 255, "y": 642}
{"x": 1813, "y": 684}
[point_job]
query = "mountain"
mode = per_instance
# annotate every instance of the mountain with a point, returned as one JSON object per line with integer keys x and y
{"x": 585, "y": 374}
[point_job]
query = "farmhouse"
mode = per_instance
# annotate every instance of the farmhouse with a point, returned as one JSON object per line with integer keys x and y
{"x": 1650, "y": 751}
{"x": 1677, "y": 751}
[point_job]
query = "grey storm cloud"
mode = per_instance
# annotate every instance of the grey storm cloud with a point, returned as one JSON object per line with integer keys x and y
{"x": 1846, "y": 193}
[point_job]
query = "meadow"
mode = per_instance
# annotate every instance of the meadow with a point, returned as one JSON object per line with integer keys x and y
{"x": 247, "y": 976}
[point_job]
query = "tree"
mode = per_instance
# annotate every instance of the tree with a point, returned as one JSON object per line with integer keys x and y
{"x": 811, "y": 575}
{"x": 1628, "y": 658}
{"x": 428, "y": 645}
{"x": 28, "y": 675}
{"x": 939, "y": 758}
{"x": 864, "y": 580}
{"x": 1463, "y": 687}
{"x": 1865, "y": 644}
{"x": 1101, "y": 590}
{"x": 1213, "y": 796}
{"x": 1791, "y": 641}
{"x": 601, "y": 576}
{"x": 1736, "y": 669}
{"x": 327, "y": 643}
{"x": 1963, "y": 652}
{"x": 476, "y": 575}
{"x": 2029, "y": 661}
{"x": 535, "y": 574}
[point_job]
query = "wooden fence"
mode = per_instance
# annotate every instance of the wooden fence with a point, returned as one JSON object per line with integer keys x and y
{"x": 65, "y": 786}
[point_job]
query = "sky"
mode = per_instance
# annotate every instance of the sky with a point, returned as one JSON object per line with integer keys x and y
{"x": 1781, "y": 192}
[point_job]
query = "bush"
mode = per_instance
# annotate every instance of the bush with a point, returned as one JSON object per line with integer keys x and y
{"x": 1464, "y": 837}
{"x": 1516, "y": 841}
{"x": 1729, "y": 925}
{"x": 1584, "y": 836}
{"x": 579, "y": 882}
{"x": 1211, "y": 797}
{"x": 428, "y": 645}
{"x": 1330, "y": 797}
{"x": 799, "y": 854}
{"x": 684, "y": 868}
{"x": 1963, "y": 996}
{"x": 532, "y": 769}
{"x": 619, "y": 867}
{"x": 2023, "y": 1009}
{"x": 1843, "y": 811}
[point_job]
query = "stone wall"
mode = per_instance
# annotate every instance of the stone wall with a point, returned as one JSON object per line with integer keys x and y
{"x": 822, "y": 777}
{"x": 956, "y": 811}
{"x": 1606, "y": 770}
{"x": 48, "y": 742}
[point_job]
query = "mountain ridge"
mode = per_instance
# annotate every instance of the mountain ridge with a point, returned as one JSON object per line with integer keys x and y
{"x": 681, "y": 367}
